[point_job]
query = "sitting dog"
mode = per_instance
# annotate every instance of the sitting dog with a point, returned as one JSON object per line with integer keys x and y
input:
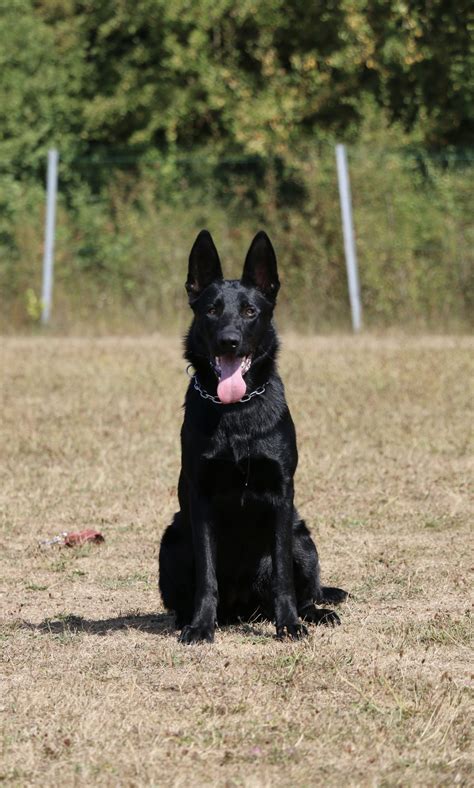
{"x": 237, "y": 549}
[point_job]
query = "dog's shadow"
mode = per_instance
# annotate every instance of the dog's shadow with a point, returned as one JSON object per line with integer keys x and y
{"x": 152, "y": 624}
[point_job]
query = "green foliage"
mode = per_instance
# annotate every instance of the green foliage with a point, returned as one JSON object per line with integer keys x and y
{"x": 33, "y": 305}
{"x": 121, "y": 255}
{"x": 257, "y": 77}
{"x": 39, "y": 91}
{"x": 423, "y": 59}
{"x": 172, "y": 116}
{"x": 249, "y": 77}
{"x": 415, "y": 238}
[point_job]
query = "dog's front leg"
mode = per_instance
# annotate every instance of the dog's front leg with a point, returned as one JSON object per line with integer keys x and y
{"x": 205, "y": 602}
{"x": 286, "y": 614}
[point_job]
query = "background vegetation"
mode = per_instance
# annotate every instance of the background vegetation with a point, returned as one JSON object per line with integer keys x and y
{"x": 173, "y": 116}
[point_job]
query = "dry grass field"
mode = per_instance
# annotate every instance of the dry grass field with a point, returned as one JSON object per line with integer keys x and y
{"x": 95, "y": 688}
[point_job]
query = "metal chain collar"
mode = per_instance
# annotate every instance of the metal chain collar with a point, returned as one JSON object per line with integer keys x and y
{"x": 246, "y": 398}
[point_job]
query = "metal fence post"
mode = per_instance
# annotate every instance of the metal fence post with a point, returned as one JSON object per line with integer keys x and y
{"x": 348, "y": 232}
{"x": 49, "y": 231}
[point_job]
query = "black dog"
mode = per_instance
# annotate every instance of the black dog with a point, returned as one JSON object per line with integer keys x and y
{"x": 237, "y": 548}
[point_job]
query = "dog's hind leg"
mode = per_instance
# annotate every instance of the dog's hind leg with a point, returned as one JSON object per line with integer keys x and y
{"x": 176, "y": 565}
{"x": 307, "y": 579}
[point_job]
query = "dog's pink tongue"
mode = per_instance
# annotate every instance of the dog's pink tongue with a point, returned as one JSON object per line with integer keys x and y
{"x": 232, "y": 386}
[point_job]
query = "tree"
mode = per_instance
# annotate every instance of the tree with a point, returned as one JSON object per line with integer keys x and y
{"x": 424, "y": 59}
{"x": 40, "y": 90}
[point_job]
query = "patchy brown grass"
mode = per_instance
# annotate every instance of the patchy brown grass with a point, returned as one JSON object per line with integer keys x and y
{"x": 96, "y": 690}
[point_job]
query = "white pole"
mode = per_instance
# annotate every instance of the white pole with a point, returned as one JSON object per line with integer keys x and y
{"x": 48, "y": 258}
{"x": 348, "y": 232}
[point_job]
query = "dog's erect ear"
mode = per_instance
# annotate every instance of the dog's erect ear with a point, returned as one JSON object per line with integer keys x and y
{"x": 260, "y": 269}
{"x": 204, "y": 265}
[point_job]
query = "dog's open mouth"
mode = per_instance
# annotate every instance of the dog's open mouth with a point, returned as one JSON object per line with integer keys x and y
{"x": 230, "y": 371}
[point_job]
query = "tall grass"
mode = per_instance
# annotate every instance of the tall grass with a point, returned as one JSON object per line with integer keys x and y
{"x": 123, "y": 240}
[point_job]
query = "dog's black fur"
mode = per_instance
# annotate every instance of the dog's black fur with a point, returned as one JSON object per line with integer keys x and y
{"x": 237, "y": 549}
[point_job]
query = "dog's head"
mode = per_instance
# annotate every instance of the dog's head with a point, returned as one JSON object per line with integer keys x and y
{"x": 232, "y": 318}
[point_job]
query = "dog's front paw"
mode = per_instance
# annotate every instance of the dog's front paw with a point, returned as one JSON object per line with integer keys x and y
{"x": 319, "y": 616}
{"x": 198, "y": 633}
{"x": 291, "y": 631}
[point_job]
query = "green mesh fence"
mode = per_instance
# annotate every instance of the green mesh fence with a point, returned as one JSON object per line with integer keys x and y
{"x": 125, "y": 224}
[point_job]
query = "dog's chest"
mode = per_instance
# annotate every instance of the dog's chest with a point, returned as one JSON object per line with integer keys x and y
{"x": 239, "y": 466}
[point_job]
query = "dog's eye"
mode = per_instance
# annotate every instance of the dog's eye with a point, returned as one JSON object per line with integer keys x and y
{"x": 212, "y": 310}
{"x": 249, "y": 311}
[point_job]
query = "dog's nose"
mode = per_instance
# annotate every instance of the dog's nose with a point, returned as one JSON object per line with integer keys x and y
{"x": 228, "y": 341}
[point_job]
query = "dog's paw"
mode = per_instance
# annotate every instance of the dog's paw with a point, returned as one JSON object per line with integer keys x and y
{"x": 201, "y": 633}
{"x": 332, "y": 596}
{"x": 291, "y": 631}
{"x": 318, "y": 616}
